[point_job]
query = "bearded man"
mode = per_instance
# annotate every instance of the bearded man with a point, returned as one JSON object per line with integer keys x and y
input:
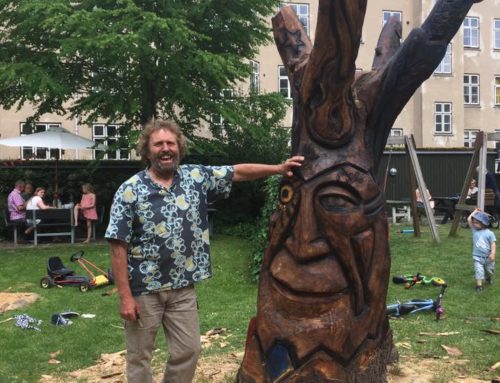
{"x": 158, "y": 231}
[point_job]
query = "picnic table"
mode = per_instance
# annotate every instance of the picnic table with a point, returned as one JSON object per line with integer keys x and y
{"x": 445, "y": 205}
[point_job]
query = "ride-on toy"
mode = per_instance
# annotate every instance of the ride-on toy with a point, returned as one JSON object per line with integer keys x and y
{"x": 59, "y": 274}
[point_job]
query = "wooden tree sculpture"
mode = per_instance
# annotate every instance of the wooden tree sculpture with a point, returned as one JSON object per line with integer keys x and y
{"x": 323, "y": 284}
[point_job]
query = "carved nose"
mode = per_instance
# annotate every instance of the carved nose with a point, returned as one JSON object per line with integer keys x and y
{"x": 305, "y": 242}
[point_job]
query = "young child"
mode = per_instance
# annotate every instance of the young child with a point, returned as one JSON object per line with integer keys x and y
{"x": 88, "y": 209}
{"x": 483, "y": 248}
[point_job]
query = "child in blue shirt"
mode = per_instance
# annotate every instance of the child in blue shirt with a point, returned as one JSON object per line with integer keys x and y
{"x": 483, "y": 248}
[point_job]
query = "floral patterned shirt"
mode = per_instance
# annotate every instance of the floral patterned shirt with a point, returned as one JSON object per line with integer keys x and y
{"x": 167, "y": 228}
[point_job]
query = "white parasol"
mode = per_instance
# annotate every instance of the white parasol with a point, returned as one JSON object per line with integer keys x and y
{"x": 53, "y": 138}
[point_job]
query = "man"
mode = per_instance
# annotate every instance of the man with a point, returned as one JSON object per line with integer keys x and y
{"x": 16, "y": 204}
{"x": 28, "y": 191}
{"x": 158, "y": 232}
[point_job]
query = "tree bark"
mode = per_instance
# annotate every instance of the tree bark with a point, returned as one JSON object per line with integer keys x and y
{"x": 324, "y": 277}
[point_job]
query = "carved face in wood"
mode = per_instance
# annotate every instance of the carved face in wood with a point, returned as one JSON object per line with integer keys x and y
{"x": 323, "y": 284}
{"x": 325, "y": 273}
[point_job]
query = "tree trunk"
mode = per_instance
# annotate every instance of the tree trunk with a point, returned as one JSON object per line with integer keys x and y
{"x": 323, "y": 284}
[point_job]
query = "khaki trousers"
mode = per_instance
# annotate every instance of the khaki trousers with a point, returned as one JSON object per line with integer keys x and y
{"x": 176, "y": 310}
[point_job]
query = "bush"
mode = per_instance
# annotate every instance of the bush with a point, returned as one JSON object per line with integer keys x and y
{"x": 261, "y": 237}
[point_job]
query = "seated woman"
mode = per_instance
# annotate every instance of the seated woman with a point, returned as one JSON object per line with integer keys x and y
{"x": 472, "y": 191}
{"x": 420, "y": 202}
{"x": 36, "y": 203}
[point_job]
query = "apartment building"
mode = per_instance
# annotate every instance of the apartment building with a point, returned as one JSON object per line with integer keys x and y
{"x": 459, "y": 99}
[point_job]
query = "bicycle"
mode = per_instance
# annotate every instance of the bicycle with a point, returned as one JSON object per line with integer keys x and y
{"x": 410, "y": 280}
{"x": 418, "y": 305}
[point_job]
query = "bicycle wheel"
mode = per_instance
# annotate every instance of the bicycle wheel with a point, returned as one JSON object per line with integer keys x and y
{"x": 392, "y": 310}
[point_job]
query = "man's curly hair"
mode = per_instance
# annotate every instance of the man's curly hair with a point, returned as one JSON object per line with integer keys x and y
{"x": 153, "y": 126}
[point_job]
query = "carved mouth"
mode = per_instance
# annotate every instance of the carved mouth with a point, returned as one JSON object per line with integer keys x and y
{"x": 322, "y": 277}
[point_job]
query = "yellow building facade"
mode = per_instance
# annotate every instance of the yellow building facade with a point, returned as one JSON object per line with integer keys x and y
{"x": 459, "y": 99}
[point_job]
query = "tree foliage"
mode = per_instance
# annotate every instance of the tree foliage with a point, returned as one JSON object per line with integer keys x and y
{"x": 130, "y": 60}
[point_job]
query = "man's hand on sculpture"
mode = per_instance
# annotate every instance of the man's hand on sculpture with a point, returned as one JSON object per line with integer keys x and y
{"x": 291, "y": 163}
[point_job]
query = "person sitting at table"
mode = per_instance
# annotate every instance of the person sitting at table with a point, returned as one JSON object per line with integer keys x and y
{"x": 36, "y": 203}
{"x": 16, "y": 205}
{"x": 420, "y": 201}
{"x": 28, "y": 191}
{"x": 472, "y": 191}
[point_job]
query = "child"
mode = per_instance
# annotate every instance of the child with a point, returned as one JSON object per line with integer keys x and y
{"x": 87, "y": 206}
{"x": 483, "y": 248}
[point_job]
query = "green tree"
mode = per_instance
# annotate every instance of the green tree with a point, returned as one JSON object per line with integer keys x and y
{"x": 130, "y": 60}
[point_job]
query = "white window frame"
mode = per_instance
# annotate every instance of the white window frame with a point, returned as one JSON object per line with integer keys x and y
{"x": 217, "y": 120}
{"x": 471, "y": 89}
{"x": 471, "y": 32}
{"x": 255, "y": 76}
{"x": 286, "y": 91}
{"x": 302, "y": 11}
{"x": 497, "y": 90}
{"x": 445, "y": 66}
{"x": 105, "y": 139}
{"x": 39, "y": 152}
{"x": 443, "y": 118}
{"x": 470, "y": 136}
{"x": 496, "y": 33}
{"x": 396, "y": 132}
{"x": 386, "y": 15}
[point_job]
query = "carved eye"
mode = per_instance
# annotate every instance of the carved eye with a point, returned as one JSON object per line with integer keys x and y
{"x": 286, "y": 194}
{"x": 337, "y": 198}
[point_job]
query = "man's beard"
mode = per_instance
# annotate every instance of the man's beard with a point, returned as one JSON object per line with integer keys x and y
{"x": 165, "y": 169}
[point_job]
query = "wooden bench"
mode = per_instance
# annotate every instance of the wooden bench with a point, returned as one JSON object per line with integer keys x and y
{"x": 51, "y": 223}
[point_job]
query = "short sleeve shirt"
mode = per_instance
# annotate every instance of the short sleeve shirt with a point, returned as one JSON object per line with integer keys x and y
{"x": 481, "y": 242}
{"x": 13, "y": 201}
{"x": 167, "y": 228}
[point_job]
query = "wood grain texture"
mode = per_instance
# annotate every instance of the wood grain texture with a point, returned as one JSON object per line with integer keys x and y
{"x": 323, "y": 283}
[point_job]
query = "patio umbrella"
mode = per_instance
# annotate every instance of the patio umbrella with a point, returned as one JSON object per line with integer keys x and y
{"x": 52, "y": 138}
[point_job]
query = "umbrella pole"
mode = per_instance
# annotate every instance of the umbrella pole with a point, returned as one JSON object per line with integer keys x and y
{"x": 56, "y": 186}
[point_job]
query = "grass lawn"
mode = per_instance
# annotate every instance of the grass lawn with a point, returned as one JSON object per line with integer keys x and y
{"x": 229, "y": 300}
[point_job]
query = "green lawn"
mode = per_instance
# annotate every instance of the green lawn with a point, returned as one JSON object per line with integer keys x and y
{"x": 229, "y": 299}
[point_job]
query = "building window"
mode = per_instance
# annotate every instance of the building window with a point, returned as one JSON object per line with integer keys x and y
{"x": 471, "y": 32}
{"x": 471, "y": 89}
{"x": 284, "y": 83}
{"x": 35, "y": 152}
{"x": 109, "y": 135}
{"x": 396, "y": 132}
{"x": 218, "y": 121}
{"x": 255, "y": 77}
{"x": 386, "y": 15}
{"x": 497, "y": 90}
{"x": 442, "y": 117}
{"x": 470, "y": 137}
{"x": 496, "y": 34}
{"x": 444, "y": 66}
{"x": 302, "y": 12}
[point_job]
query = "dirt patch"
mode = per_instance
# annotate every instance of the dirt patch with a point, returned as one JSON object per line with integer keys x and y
{"x": 415, "y": 370}
{"x": 223, "y": 368}
{"x": 110, "y": 368}
{"x": 15, "y": 301}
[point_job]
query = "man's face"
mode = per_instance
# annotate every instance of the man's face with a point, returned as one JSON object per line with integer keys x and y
{"x": 28, "y": 188}
{"x": 163, "y": 151}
